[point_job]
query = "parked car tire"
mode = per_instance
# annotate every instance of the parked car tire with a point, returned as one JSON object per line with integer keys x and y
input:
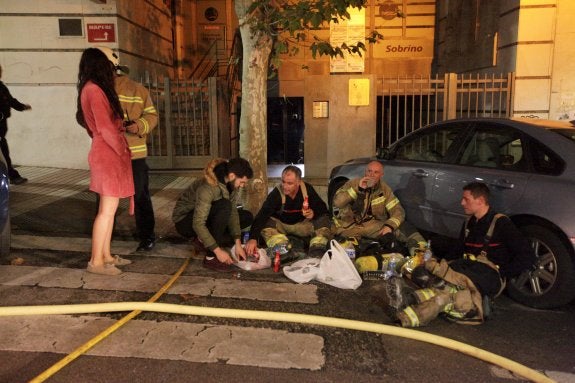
{"x": 552, "y": 283}
{"x": 5, "y": 239}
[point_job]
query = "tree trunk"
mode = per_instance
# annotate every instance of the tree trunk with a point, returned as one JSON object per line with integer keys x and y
{"x": 253, "y": 120}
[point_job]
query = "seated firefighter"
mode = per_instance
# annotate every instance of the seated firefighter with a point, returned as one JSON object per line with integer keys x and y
{"x": 367, "y": 208}
{"x": 208, "y": 211}
{"x": 292, "y": 208}
{"x": 489, "y": 250}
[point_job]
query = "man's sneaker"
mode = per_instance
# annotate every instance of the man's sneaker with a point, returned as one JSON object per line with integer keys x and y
{"x": 146, "y": 245}
{"x": 18, "y": 180}
{"x": 213, "y": 263}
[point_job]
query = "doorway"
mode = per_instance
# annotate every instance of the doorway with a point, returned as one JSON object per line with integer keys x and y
{"x": 285, "y": 130}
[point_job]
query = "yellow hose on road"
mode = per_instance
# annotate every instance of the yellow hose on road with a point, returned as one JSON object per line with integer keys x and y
{"x": 478, "y": 353}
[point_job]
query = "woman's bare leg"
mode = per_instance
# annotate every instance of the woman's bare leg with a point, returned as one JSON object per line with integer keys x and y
{"x": 102, "y": 230}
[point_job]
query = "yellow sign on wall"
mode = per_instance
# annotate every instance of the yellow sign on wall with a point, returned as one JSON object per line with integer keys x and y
{"x": 359, "y": 92}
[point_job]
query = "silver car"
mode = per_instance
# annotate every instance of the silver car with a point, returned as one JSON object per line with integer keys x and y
{"x": 529, "y": 165}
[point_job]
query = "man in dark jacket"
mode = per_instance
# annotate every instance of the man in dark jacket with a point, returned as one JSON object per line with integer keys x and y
{"x": 292, "y": 208}
{"x": 8, "y": 102}
{"x": 490, "y": 249}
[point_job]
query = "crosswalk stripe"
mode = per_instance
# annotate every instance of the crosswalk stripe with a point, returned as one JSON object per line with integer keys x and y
{"x": 51, "y": 277}
{"x": 202, "y": 343}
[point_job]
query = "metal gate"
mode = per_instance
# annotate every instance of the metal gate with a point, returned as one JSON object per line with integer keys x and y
{"x": 195, "y": 119}
{"x": 187, "y": 133}
{"x": 408, "y": 103}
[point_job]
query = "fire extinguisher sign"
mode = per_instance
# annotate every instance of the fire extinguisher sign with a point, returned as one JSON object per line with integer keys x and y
{"x": 101, "y": 33}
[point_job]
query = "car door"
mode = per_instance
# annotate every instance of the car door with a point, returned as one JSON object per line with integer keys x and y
{"x": 493, "y": 153}
{"x": 416, "y": 160}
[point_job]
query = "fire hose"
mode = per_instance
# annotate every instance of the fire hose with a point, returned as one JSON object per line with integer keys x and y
{"x": 151, "y": 306}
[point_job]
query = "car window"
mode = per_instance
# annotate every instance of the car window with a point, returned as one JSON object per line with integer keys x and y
{"x": 495, "y": 148}
{"x": 432, "y": 145}
{"x": 544, "y": 160}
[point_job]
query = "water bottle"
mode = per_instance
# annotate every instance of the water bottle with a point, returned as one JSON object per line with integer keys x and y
{"x": 427, "y": 254}
{"x": 390, "y": 272}
{"x": 350, "y": 249}
{"x": 395, "y": 261}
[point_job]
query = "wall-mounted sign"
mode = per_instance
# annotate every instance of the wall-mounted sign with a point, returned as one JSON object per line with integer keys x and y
{"x": 101, "y": 33}
{"x": 349, "y": 32}
{"x": 320, "y": 109}
{"x": 359, "y": 92}
{"x": 389, "y": 48}
{"x": 388, "y": 10}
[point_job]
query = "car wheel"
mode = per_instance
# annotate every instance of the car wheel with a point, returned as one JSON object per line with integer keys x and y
{"x": 552, "y": 283}
{"x": 332, "y": 188}
{"x": 5, "y": 239}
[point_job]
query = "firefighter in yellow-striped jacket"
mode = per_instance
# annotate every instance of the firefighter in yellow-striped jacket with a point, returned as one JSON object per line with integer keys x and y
{"x": 140, "y": 117}
{"x": 367, "y": 208}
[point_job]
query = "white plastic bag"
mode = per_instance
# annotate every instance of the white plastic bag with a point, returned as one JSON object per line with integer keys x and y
{"x": 336, "y": 269}
{"x": 302, "y": 271}
{"x": 263, "y": 261}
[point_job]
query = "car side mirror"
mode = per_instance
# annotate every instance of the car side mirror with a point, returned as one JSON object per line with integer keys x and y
{"x": 383, "y": 153}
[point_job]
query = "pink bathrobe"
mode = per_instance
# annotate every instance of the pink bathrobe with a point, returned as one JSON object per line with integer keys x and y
{"x": 109, "y": 159}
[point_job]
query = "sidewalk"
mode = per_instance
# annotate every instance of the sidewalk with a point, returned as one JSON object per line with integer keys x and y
{"x": 56, "y": 203}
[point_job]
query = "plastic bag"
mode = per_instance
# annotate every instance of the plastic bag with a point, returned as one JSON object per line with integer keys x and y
{"x": 263, "y": 262}
{"x": 302, "y": 271}
{"x": 336, "y": 269}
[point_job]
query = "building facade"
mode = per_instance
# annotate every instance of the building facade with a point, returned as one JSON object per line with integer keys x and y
{"x": 532, "y": 38}
{"x": 334, "y": 105}
{"x": 41, "y": 42}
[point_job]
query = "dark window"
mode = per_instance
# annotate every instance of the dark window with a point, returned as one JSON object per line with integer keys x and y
{"x": 500, "y": 148}
{"x": 431, "y": 145}
{"x": 544, "y": 160}
{"x": 70, "y": 27}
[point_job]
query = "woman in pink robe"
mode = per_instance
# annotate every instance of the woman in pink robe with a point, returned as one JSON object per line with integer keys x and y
{"x": 100, "y": 113}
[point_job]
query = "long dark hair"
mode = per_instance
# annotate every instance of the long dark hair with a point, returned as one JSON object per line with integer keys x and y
{"x": 95, "y": 67}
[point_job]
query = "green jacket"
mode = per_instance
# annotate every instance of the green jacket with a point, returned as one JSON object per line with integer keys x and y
{"x": 199, "y": 197}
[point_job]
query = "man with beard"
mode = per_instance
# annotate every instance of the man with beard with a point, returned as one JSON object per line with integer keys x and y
{"x": 208, "y": 212}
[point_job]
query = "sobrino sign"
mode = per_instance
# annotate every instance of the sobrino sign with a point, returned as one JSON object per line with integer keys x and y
{"x": 403, "y": 48}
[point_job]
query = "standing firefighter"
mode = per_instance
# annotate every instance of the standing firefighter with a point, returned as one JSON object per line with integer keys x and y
{"x": 291, "y": 208}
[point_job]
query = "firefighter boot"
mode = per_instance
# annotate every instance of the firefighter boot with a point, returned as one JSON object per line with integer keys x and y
{"x": 393, "y": 296}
